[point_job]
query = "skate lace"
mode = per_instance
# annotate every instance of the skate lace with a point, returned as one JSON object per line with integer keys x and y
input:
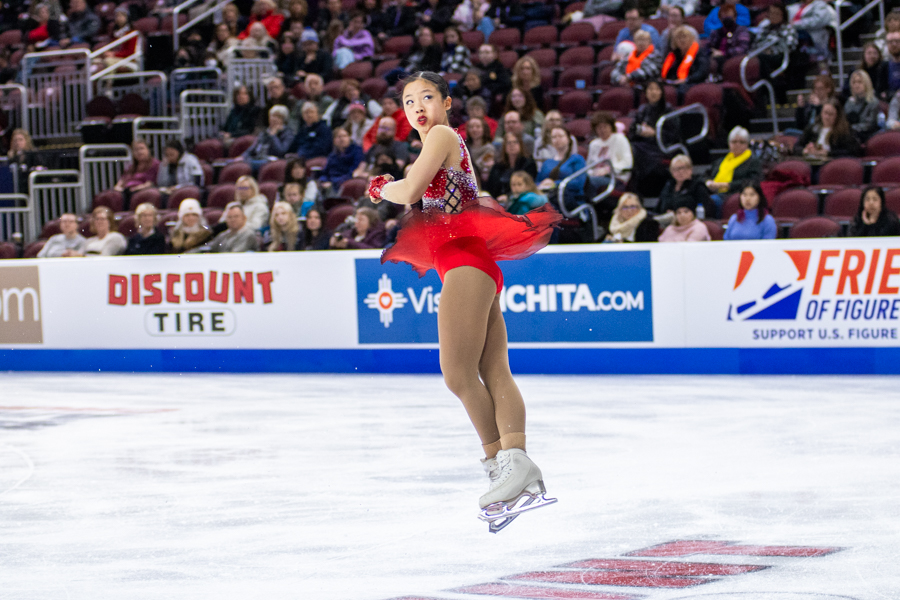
{"x": 504, "y": 469}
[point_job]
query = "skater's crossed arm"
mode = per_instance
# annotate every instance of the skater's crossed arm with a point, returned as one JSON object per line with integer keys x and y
{"x": 439, "y": 144}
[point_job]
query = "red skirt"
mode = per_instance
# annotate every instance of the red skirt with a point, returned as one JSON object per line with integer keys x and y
{"x": 506, "y": 237}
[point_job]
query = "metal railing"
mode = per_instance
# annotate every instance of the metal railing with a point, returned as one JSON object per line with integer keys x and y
{"x": 765, "y": 82}
{"x": 695, "y": 108}
{"x": 135, "y": 59}
{"x": 14, "y": 100}
{"x": 58, "y": 90}
{"x": 209, "y": 11}
{"x": 202, "y": 113}
{"x": 52, "y": 194}
{"x": 153, "y": 86}
{"x": 253, "y": 71}
{"x": 842, "y": 26}
{"x": 16, "y": 218}
{"x": 193, "y": 78}
{"x": 102, "y": 166}
{"x": 157, "y": 132}
{"x": 586, "y": 208}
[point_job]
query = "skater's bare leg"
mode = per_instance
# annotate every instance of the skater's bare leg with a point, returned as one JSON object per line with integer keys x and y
{"x": 466, "y": 300}
{"x": 509, "y": 408}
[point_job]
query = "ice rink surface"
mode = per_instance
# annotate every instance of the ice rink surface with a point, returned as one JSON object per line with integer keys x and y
{"x": 336, "y": 487}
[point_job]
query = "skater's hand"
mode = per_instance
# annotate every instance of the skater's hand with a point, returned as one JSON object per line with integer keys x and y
{"x": 376, "y": 185}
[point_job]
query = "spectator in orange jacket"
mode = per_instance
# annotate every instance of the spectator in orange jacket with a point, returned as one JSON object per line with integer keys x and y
{"x": 389, "y": 108}
{"x": 265, "y": 12}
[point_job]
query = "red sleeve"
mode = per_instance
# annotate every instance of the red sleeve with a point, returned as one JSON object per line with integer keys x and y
{"x": 127, "y": 49}
{"x": 273, "y": 24}
{"x": 371, "y": 134}
{"x": 492, "y": 125}
{"x": 246, "y": 33}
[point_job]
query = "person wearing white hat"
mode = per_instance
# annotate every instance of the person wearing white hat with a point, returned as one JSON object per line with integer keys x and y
{"x": 191, "y": 231}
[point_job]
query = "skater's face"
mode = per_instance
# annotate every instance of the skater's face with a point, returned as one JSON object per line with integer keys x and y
{"x": 749, "y": 198}
{"x": 424, "y": 106}
{"x": 684, "y": 216}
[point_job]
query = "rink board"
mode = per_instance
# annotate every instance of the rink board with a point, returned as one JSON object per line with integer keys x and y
{"x": 791, "y": 306}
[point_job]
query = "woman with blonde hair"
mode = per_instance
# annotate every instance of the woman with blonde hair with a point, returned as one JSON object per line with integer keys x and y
{"x": 106, "y": 241}
{"x": 284, "y": 230}
{"x": 21, "y": 158}
{"x": 526, "y": 74}
{"x": 861, "y": 108}
{"x": 254, "y": 203}
{"x": 630, "y": 222}
{"x": 191, "y": 231}
{"x": 147, "y": 240}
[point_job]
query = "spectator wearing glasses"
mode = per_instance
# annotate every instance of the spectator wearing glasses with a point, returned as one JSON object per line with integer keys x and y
{"x": 735, "y": 170}
{"x": 631, "y": 223}
{"x": 67, "y": 243}
{"x": 106, "y": 241}
{"x": 683, "y": 187}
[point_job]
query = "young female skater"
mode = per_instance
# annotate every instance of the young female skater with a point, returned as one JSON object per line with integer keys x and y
{"x": 462, "y": 236}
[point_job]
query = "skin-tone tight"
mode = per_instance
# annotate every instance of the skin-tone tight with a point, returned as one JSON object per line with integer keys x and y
{"x": 474, "y": 358}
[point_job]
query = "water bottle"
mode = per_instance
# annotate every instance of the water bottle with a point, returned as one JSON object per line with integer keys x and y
{"x": 701, "y": 212}
{"x": 882, "y": 120}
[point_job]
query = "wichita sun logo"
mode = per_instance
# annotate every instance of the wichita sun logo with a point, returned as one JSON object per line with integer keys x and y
{"x": 385, "y": 300}
{"x": 779, "y": 283}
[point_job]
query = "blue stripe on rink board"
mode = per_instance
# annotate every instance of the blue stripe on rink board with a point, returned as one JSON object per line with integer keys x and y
{"x": 560, "y": 361}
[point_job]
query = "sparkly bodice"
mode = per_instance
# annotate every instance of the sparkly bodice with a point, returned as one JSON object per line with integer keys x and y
{"x": 453, "y": 188}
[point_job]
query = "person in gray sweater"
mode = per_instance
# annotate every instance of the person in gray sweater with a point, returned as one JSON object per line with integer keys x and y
{"x": 67, "y": 243}
{"x": 238, "y": 237}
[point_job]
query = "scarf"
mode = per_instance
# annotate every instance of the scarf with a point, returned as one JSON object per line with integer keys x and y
{"x": 634, "y": 61}
{"x": 626, "y": 228}
{"x": 729, "y": 164}
{"x": 685, "y": 67}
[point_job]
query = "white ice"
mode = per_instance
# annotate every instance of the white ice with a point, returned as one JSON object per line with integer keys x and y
{"x": 337, "y": 487}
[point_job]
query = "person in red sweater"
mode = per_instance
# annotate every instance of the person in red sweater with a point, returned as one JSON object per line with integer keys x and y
{"x": 389, "y": 108}
{"x": 265, "y": 12}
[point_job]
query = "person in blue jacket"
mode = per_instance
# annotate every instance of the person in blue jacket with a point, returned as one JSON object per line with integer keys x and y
{"x": 752, "y": 221}
{"x": 345, "y": 157}
{"x": 713, "y": 22}
{"x": 566, "y": 162}
{"x": 313, "y": 138}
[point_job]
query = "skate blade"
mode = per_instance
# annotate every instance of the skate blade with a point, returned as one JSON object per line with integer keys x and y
{"x": 501, "y": 514}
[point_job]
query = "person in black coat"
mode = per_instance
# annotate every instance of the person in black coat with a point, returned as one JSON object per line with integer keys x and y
{"x": 244, "y": 116}
{"x": 313, "y": 59}
{"x": 649, "y": 173}
{"x": 874, "y": 219}
{"x": 839, "y": 140}
{"x": 683, "y": 187}
{"x": 494, "y": 76}
{"x": 512, "y": 159}
{"x": 147, "y": 240}
{"x": 313, "y": 138}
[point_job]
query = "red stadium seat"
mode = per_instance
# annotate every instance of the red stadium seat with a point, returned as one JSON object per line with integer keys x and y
{"x": 240, "y": 145}
{"x": 815, "y": 227}
{"x": 32, "y": 249}
{"x": 133, "y": 104}
{"x": 270, "y": 190}
{"x": 508, "y": 37}
{"x": 508, "y": 58}
{"x": 610, "y": 31}
{"x": 182, "y": 193}
{"x": 337, "y": 214}
{"x": 731, "y": 70}
{"x": 577, "y": 56}
{"x": 892, "y": 200}
{"x": 659, "y": 24}
{"x": 570, "y": 78}
{"x": 886, "y": 143}
{"x": 710, "y": 96}
{"x": 841, "y": 172}
{"x": 731, "y": 206}
{"x": 576, "y": 34}
{"x": 716, "y": 231}
{"x": 273, "y": 171}
{"x": 231, "y": 172}
{"x": 843, "y": 204}
{"x": 605, "y": 54}
{"x": 100, "y": 106}
{"x": 150, "y": 195}
{"x": 604, "y": 77}
{"x": 573, "y": 7}
{"x": 887, "y": 172}
{"x": 619, "y": 100}
{"x": 207, "y": 172}
{"x": 386, "y": 67}
{"x": 472, "y": 40}
{"x": 8, "y": 250}
{"x": 167, "y": 22}
{"x": 541, "y": 36}
{"x": 10, "y": 38}
{"x": 544, "y": 57}
{"x": 797, "y": 167}
{"x": 794, "y": 204}
{"x": 220, "y": 196}
{"x": 353, "y": 189}
{"x": 399, "y": 45}
{"x": 209, "y": 150}
{"x": 358, "y": 70}
{"x": 580, "y": 128}
{"x": 374, "y": 87}
{"x": 128, "y": 226}
{"x": 575, "y": 103}
{"x": 213, "y": 215}
{"x": 111, "y": 198}
{"x": 333, "y": 88}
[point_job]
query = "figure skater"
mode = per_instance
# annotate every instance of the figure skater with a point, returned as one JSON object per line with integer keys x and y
{"x": 461, "y": 236}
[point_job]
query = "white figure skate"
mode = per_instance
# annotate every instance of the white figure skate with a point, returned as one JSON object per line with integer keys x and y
{"x": 516, "y": 487}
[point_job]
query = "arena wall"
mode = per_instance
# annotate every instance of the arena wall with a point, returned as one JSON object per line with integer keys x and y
{"x": 783, "y": 306}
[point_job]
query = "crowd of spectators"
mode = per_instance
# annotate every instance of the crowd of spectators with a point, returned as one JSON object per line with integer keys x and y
{"x": 521, "y": 146}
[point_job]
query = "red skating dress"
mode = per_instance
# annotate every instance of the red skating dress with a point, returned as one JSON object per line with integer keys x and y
{"x": 457, "y": 228}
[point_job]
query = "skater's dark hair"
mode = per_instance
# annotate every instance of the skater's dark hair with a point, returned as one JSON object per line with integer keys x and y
{"x": 431, "y": 77}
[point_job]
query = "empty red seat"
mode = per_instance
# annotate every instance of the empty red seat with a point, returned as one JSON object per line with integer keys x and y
{"x": 887, "y": 172}
{"x": 273, "y": 171}
{"x": 577, "y": 33}
{"x": 575, "y": 103}
{"x": 8, "y": 250}
{"x": 731, "y": 206}
{"x": 886, "y": 143}
{"x": 843, "y": 204}
{"x": 399, "y": 45}
{"x": 100, "y": 106}
{"x": 841, "y": 172}
{"x": 710, "y": 96}
{"x": 540, "y": 36}
{"x": 619, "y": 100}
{"x": 374, "y": 87}
{"x": 544, "y": 57}
{"x": 716, "y": 231}
{"x": 892, "y": 200}
{"x": 579, "y": 55}
{"x": 508, "y": 37}
{"x": 605, "y": 54}
{"x": 578, "y": 77}
{"x": 580, "y": 128}
{"x": 32, "y": 249}
{"x": 146, "y": 25}
{"x": 337, "y": 214}
{"x": 240, "y": 145}
{"x": 111, "y": 198}
{"x": 209, "y": 150}
{"x": 150, "y": 196}
{"x": 794, "y": 204}
{"x": 815, "y": 227}
{"x": 472, "y": 39}
{"x": 182, "y": 193}
{"x": 13, "y": 37}
{"x": 358, "y": 70}
{"x": 353, "y": 189}
{"x": 220, "y": 196}
{"x": 508, "y": 58}
{"x": 269, "y": 189}
{"x": 231, "y": 172}
{"x": 386, "y": 67}
{"x": 610, "y": 31}
{"x": 127, "y": 226}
